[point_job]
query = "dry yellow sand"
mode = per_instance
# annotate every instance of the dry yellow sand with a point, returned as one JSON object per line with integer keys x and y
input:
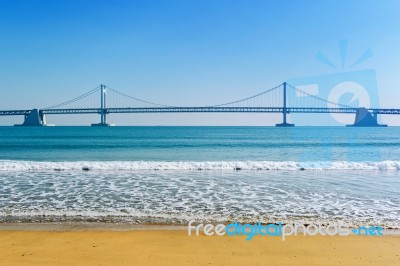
{"x": 176, "y": 248}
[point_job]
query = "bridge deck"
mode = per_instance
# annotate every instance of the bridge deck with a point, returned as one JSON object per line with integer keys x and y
{"x": 15, "y": 112}
{"x": 198, "y": 110}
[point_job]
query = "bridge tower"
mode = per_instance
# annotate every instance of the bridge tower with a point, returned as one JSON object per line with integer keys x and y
{"x": 103, "y": 108}
{"x": 284, "y": 109}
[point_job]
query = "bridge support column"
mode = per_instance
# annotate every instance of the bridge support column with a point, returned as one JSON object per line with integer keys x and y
{"x": 34, "y": 118}
{"x": 103, "y": 110}
{"x": 284, "y": 110}
{"x": 365, "y": 119}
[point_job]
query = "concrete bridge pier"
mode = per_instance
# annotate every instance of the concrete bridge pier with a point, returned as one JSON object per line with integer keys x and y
{"x": 365, "y": 119}
{"x": 103, "y": 120}
{"x": 34, "y": 118}
{"x": 284, "y": 123}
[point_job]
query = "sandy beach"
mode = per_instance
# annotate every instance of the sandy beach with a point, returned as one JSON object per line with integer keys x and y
{"x": 172, "y": 246}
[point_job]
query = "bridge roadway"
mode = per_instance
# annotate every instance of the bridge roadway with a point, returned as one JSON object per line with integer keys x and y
{"x": 198, "y": 110}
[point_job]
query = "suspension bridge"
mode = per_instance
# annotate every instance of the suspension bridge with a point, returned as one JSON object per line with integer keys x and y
{"x": 284, "y": 99}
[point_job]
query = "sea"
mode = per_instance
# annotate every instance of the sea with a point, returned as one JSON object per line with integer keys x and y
{"x": 170, "y": 175}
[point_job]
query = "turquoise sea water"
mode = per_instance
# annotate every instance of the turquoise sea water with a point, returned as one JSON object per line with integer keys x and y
{"x": 174, "y": 174}
{"x": 199, "y": 143}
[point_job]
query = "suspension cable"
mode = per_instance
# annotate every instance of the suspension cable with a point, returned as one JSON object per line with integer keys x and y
{"x": 74, "y": 99}
{"x": 248, "y": 98}
{"x": 318, "y": 98}
{"x": 136, "y": 99}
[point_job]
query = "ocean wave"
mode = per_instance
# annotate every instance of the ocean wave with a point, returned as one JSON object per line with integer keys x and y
{"x": 11, "y": 165}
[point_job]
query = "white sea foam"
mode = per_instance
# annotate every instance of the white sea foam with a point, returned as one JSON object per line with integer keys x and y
{"x": 10, "y": 165}
{"x": 355, "y": 197}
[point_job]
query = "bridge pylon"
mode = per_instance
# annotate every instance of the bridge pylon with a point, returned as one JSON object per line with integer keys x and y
{"x": 103, "y": 110}
{"x": 284, "y": 110}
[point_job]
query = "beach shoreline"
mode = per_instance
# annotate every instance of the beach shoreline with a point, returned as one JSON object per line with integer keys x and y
{"x": 87, "y": 226}
{"x": 111, "y": 227}
{"x": 135, "y": 209}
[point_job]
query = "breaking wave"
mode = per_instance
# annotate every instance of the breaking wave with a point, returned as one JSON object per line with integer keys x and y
{"x": 11, "y": 165}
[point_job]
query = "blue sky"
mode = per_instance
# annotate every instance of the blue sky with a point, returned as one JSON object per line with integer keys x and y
{"x": 186, "y": 52}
